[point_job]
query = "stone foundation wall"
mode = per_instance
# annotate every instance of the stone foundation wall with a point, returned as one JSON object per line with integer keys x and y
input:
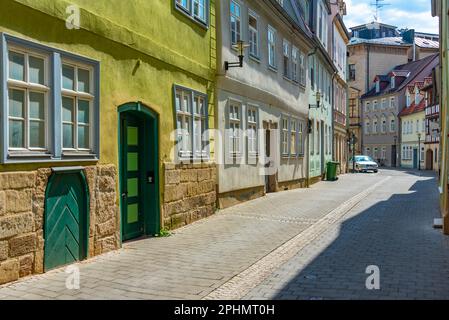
{"x": 189, "y": 193}
{"x": 22, "y": 206}
{"x": 290, "y": 185}
{"x": 229, "y": 199}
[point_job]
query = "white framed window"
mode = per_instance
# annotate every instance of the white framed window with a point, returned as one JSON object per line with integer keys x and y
{"x": 199, "y": 126}
{"x": 191, "y": 123}
{"x": 184, "y": 123}
{"x": 392, "y": 125}
{"x": 295, "y": 64}
{"x": 235, "y": 128}
{"x": 383, "y": 153}
{"x": 77, "y": 105}
{"x": 421, "y": 159}
{"x": 293, "y": 137}
{"x": 27, "y": 102}
{"x": 253, "y": 28}
{"x": 318, "y": 138}
{"x": 392, "y": 102}
{"x": 302, "y": 69}
{"x": 376, "y": 153}
{"x": 272, "y": 47}
{"x": 184, "y": 4}
{"x": 46, "y": 92}
{"x": 252, "y": 132}
{"x": 375, "y": 106}
{"x": 367, "y": 151}
{"x": 367, "y": 106}
{"x": 392, "y": 82}
{"x": 286, "y": 58}
{"x": 384, "y": 125}
{"x": 236, "y": 22}
{"x": 301, "y": 138}
{"x": 384, "y": 104}
{"x": 375, "y": 126}
{"x": 284, "y": 136}
{"x": 195, "y": 9}
{"x": 367, "y": 126}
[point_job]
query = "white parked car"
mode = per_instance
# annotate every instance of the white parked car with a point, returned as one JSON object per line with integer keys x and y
{"x": 364, "y": 164}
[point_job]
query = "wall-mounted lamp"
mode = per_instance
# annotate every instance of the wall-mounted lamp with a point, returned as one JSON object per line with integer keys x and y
{"x": 318, "y": 101}
{"x": 240, "y": 46}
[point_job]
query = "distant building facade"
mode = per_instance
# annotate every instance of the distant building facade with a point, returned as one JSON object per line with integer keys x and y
{"x": 381, "y": 106}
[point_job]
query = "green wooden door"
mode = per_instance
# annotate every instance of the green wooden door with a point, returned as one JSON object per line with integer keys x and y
{"x": 65, "y": 220}
{"x": 132, "y": 175}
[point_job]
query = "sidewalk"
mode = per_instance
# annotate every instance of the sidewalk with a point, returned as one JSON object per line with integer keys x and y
{"x": 199, "y": 258}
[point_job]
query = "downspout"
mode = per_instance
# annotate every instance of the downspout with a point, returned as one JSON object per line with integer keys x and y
{"x": 308, "y": 125}
{"x": 333, "y": 115}
{"x": 367, "y": 69}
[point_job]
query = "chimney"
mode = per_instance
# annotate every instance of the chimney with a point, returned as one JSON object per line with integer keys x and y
{"x": 409, "y": 37}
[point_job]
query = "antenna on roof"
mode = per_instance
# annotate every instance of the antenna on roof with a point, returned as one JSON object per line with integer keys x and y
{"x": 379, "y": 4}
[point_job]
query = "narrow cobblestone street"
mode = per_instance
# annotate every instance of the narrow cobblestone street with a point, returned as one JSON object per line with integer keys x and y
{"x": 302, "y": 244}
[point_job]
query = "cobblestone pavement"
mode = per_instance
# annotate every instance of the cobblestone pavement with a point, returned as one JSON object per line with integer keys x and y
{"x": 392, "y": 229}
{"x": 304, "y": 243}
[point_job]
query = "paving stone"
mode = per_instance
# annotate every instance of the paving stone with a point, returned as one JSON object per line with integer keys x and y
{"x": 390, "y": 227}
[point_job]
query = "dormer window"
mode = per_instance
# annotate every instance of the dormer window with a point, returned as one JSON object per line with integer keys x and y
{"x": 377, "y": 86}
{"x": 416, "y": 96}
{"x": 392, "y": 82}
{"x": 407, "y": 99}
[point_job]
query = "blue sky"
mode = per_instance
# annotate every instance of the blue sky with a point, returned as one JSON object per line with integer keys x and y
{"x": 413, "y": 14}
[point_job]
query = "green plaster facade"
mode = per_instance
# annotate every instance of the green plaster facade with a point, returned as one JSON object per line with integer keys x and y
{"x": 142, "y": 51}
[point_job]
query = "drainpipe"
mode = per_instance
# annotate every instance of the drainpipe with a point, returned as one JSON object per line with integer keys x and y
{"x": 333, "y": 116}
{"x": 308, "y": 128}
{"x": 367, "y": 69}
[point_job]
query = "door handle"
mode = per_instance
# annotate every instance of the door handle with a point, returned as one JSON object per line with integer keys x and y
{"x": 124, "y": 194}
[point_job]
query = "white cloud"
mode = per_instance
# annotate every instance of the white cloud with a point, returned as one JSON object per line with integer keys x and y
{"x": 361, "y": 12}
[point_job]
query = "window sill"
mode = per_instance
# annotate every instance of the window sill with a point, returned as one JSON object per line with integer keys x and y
{"x": 28, "y": 155}
{"x": 47, "y": 158}
{"x": 254, "y": 58}
{"x": 274, "y": 69}
{"x": 79, "y": 156}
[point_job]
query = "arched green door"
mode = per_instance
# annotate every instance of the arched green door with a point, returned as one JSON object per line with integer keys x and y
{"x": 66, "y": 216}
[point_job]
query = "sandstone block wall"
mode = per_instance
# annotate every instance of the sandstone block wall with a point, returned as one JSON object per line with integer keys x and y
{"x": 22, "y": 211}
{"x": 189, "y": 193}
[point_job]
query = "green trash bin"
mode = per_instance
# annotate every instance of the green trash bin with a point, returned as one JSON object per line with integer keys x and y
{"x": 331, "y": 172}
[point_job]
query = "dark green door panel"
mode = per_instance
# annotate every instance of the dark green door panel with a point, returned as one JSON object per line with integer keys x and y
{"x": 139, "y": 165}
{"x": 132, "y": 167}
{"x": 65, "y": 229}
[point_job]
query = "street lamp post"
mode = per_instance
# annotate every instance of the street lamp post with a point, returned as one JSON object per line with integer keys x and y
{"x": 419, "y": 151}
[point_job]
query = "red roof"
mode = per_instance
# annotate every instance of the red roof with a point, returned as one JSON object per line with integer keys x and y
{"x": 413, "y": 108}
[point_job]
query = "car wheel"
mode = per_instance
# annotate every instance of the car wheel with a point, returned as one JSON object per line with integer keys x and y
{"x": 375, "y": 171}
